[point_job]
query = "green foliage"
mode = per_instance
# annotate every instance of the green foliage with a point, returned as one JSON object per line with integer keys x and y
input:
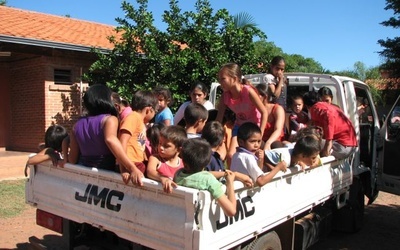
{"x": 391, "y": 51}
{"x": 12, "y": 193}
{"x": 193, "y": 48}
{"x": 3, "y": 2}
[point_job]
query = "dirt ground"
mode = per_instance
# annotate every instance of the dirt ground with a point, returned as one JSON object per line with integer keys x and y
{"x": 381, "y": 223}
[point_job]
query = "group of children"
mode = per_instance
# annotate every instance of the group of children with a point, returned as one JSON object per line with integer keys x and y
{"x": 115, "y": 137}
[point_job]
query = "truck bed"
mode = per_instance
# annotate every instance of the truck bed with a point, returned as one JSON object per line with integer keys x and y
{"x": 187, "y": 218}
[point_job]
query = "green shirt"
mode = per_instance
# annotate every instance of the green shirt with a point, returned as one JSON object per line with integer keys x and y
{"x": 202, "y": 180}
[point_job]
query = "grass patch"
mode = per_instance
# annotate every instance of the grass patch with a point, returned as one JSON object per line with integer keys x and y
{"x": 12, "y": 197}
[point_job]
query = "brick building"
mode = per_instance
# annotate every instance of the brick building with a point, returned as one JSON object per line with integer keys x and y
{"x": 42, "y": 58}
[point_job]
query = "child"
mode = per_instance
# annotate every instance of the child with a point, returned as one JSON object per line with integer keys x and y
{"x": 198, "y": 93}
{"x": 153, "y": 139}
{"x": 94, "y": 141}
{"x": 164, "y": 114}
{"x": 242, "y": 98}
{"x": 298, "y": 119}
{"x": 214, "y": 133}
{"x": 54, "y": 136}
{"x": 274, "y": 130}
{"x": 121, "y": 105}
{"x": 249, "y": 159}
{"x": 275, "y": 79}
{"x": 166, "y": 162}
{"x": 132, "y": 132}
{"x": 196, "y": 154}
{"x": 305, "y": 153}
{"x": 196, "y": 116}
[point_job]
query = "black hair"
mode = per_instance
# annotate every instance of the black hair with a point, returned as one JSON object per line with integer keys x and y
{"x": 325, "y": 91}
{"x": 153, "y": 134}
{"x": 164, "y": 92}
{"x": 175, "y": 134}
{"x": 214, "y": 133}
{"x": 307, "y": 145}
{"x": 198, "y": 85}
{"x": 310, "y": 98}
{"x": 246, "y": 130}
{"x": 97, "y": 101}
{"x": 144, "y": 98}
{"x": 54, "y": 136}
{"x": 195, "y": 154}
{"x": 195, "y": 112}
{"x": 276, "y": 60}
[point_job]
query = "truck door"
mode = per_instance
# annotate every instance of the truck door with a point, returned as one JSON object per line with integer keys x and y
{"x": 388, "y": 169}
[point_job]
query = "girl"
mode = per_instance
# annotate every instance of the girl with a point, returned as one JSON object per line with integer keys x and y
{"x": 54, "y": 137}
{"x": 164, "y": 164}
{"x": 242, "y": 98}
{"x": 198, "y": 93}
{"x": 325, "y": 94}
{"x": 276, "y": 81}
{"x": 274, "y": 129}
{"x": 94, "y": 141}
{"x": 164, "y": 114}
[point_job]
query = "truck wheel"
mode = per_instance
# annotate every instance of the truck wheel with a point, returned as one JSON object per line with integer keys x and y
{"x": 269, "y": 241}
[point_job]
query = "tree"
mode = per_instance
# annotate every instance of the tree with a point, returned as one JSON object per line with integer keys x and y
{"x": 193, "y": 48}
{"x": 3, "y": 2}
{"x": 391, "y": 51}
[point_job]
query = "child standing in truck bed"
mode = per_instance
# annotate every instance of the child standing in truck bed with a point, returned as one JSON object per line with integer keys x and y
{"x": 196, "y": 154}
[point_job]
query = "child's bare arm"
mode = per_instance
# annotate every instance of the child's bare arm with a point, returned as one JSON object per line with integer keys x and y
{"x": 228, "y": 202}
{"x": 267, "y": 177}
{"x": 151, "y": 169}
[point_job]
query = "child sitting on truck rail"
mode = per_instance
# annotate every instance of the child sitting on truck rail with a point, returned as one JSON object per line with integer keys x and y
{"x": 166, "y": 161}
{"x": 249, "y": 158}
{"x": 196, "y": 154}
{"x": 54, "y": 136}
{"x": 338, "y": 130}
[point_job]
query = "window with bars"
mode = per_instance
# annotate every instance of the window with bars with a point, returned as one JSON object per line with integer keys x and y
{"x": 63, "y": 76}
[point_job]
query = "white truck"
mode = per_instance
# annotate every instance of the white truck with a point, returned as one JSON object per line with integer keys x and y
{"x": 91, "y": 206}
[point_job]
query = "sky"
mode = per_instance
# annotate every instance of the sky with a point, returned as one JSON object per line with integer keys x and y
{"x": 335, "y": 33}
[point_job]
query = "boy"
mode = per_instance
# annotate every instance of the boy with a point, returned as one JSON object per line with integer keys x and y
{"x": 304, "y": 153}
{"x": 245, "y": 160}
{"x": 196, "y": 116}
{"x": 132, "y": 131}
{"x": 214, "y": 134}
{"x": 196, "y": 154}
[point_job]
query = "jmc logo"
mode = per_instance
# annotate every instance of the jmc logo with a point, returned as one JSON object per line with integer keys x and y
{"x": 104, "y": 197}
{"x": 244, "y": 209}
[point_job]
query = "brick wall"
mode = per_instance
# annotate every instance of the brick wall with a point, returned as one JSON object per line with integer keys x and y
{"x": 37, "y": 103}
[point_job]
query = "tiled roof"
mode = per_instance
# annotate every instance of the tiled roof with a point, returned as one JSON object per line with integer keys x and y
{"x": 30, "y": 25}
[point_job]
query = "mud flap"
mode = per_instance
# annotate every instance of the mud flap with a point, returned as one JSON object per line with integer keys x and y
{"x": 350, "y": 218}
{"x": 312, "y": 227}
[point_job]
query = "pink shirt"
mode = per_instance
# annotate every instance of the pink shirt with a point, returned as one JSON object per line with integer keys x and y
{"x": 243, "y": 107}
{"x": 168, "y": 171}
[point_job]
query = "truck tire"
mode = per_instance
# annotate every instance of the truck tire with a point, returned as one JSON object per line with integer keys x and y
{"x": 269, "y": 241}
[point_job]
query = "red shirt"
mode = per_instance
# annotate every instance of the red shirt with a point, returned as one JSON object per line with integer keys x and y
{"x": 335, "y": 124}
